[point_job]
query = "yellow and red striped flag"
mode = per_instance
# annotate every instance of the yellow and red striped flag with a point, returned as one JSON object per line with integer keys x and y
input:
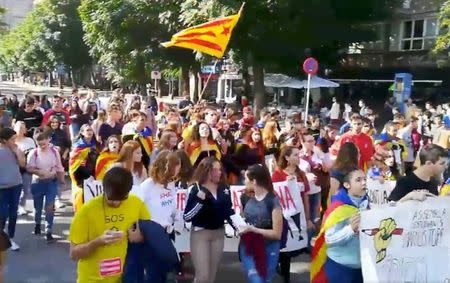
{"x": 211, "y": 38}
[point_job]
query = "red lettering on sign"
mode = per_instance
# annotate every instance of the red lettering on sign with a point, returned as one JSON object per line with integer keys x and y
{"x": 181, "y": 200}
{"x": 289, "y": 198}
{"x": 236, "y": 199}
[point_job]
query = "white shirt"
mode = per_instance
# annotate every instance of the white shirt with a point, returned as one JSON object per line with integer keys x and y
{"x": 335, "y": 111}
{"x": 25, "y": 144}
{"x": 160, "y": 202}
{"x": 306, "y": 167}
{"x": 406, "y": 135}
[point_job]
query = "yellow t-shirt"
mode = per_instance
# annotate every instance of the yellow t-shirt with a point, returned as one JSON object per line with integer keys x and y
{"x": 106, "y": 263}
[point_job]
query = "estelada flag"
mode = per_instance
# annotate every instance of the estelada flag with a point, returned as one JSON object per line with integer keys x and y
{"x": 338, "y": 211}
{"x": 211, "y": 38}
{"x": 104, "y": 160}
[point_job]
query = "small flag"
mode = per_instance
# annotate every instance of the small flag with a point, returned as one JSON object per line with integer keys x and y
{"x": 211, "y": 38}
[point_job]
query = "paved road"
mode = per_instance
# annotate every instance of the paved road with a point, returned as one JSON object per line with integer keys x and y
{"x": 37, "y": 262}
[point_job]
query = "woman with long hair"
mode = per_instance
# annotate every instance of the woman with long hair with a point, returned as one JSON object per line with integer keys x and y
{"x": 260, "y": 242}
{"x": 100, "y": 120}
{"x": 288, "y": 169}
{"x": 269, "y": 137}
{"x": 202, "y": 145}
{"x": 130, "y": 157}
{"x": 25, "y": 145}
{"x": 59, "y": 138}
{"x": 158, "y": 192}
{"x": 347, "y": 158}
{"x": 77, "y": 117}
{"x": 208, "y": 206}
{"x": 83, "y": 159}
{"x": 108, "y": 156}
{"x": 186, "y": 171}
{"x": 167, "y": 141}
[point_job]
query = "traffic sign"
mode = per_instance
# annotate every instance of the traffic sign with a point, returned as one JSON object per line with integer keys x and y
{"x": 310, "y": 66}
{"x": 155, "y": 75}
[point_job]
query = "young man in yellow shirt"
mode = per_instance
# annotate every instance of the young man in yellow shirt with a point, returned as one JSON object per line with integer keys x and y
{"x": 101, "y": 229}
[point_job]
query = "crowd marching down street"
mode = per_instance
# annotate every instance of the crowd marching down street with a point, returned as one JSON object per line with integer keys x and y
{"x": 170, "y": 173}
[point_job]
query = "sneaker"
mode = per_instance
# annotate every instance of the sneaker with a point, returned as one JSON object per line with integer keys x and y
{"x": 49, "y": 238}
{"x": 21, "y": 211}
{"x": 37, "y": 230}
{"x": 14, "y": 246}
{"x": 59, "y": 204}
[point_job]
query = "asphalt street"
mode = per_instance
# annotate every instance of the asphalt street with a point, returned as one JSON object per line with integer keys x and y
{"x": 39, "y": 262}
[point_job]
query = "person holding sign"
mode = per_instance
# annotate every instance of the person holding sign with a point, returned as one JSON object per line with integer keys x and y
{"x": 260, "y": 241}
{"x": 208, "y": 206}
{"x": 99, "y": 231}
{"x": 433, "y": 163}
{"x": 288, "y": 169}
{"x": 336, "y": 255}
{"x": 159, "y": 194}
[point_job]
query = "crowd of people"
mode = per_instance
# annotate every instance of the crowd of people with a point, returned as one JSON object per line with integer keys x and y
{"x": 143, "y": 152}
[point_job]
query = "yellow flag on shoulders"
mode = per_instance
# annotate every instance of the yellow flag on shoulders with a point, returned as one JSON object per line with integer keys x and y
{"x": 211, "y": 38}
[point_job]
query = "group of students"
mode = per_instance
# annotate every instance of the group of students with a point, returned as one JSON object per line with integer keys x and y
{"x": 204, "y": 148}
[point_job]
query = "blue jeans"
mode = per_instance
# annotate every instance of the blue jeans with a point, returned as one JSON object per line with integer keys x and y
{"x": 26, "y": 182}
{"x": 9, "y": 203}
{"x": 337, "y": 273}
{"x": 47, "y": 189}
{"x": 141, "y": 268}
{"x": 248, "y": 263}
{"x": 314, "y": 203}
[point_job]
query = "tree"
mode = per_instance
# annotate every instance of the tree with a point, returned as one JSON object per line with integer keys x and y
{"x": 50, "y": 35}
{"x": 277, "y": 34}
{"x": 443, "y": 40}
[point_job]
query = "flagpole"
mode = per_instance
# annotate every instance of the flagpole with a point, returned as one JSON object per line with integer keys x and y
{"x": 207, "y": 80}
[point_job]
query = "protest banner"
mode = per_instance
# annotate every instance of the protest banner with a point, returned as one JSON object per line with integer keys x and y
{"x": 91, "y": 189}
{"x": 289, "y": 194}
{"x": 409, "y": 242}
{"x": 378, "y": 192}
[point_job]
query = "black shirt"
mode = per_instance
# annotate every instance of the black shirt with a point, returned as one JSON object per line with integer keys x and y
{"x": 182, "y": 104}
{"x": 410, "y": 183}
{"x": 31, "y": 119}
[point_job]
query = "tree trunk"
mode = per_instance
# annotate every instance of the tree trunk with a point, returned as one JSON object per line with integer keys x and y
{"x": 184, "y": 80}
{"x": 259, "y": 90}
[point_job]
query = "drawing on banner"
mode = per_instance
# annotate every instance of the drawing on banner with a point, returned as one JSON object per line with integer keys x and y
{"x": 409, "y": 242}
{"x": 382, "y": 236}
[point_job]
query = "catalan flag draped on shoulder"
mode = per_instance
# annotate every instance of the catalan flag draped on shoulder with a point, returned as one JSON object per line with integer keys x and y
{"x": 78, "y": 158}
{"x": 210, "y": 38}
{"x": 104, "y": 160}
{"x": 341, "y": 208}
{"x": 196, "y": 153}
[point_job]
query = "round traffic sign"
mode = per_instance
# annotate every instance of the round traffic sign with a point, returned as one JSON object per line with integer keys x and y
{"x": 310, "y": 66}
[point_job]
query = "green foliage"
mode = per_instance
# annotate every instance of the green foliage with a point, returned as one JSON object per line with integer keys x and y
{"x": 49, "y": 35}
{"x": 443, "y": 40}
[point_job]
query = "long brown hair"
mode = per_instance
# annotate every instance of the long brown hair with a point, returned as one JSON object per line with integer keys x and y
{"x": 162, "y": 169}
{"x": 126, "y": 157}
{"x": 106, "y": 147}
{"x": 261, "y": 174}
{"x": 201, "y": 174}
{"x": 347, "y": 158}
{"x": 164, "y": 140}
{"x": 186, "y": 170}
{"x": 286, "y": 151}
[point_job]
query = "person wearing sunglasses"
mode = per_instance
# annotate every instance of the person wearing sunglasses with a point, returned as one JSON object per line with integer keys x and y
{"x": 101, "y": 229}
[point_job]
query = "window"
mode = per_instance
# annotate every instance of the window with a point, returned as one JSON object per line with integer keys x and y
{"x": 417, "y": 34}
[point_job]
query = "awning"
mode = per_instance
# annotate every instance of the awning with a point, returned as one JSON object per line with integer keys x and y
{"x": 317, "y": 82}
{"x": 280, "y": 80}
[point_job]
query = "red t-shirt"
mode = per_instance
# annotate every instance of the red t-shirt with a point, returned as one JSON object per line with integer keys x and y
{"x": 281, "y": 176}
{"x": 62, "y": 115}
{"x": 363, "y": 142}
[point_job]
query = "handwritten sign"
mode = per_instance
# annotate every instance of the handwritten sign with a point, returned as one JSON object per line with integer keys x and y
{"x": 406, "y": 243}
{"x": 379, "y": 192}
{"x": 91, "y": 189}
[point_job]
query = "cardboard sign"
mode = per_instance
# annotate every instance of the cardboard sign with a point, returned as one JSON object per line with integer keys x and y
{"x": 409, "y": 242}
{"x": 91, "y": 189}
{"x": 378, "y": 192}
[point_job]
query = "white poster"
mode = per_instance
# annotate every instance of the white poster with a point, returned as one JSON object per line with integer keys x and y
{"x": 378, "y": 192}
{"x": 409, "y": 242}
{"x": 91, "y": 189}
